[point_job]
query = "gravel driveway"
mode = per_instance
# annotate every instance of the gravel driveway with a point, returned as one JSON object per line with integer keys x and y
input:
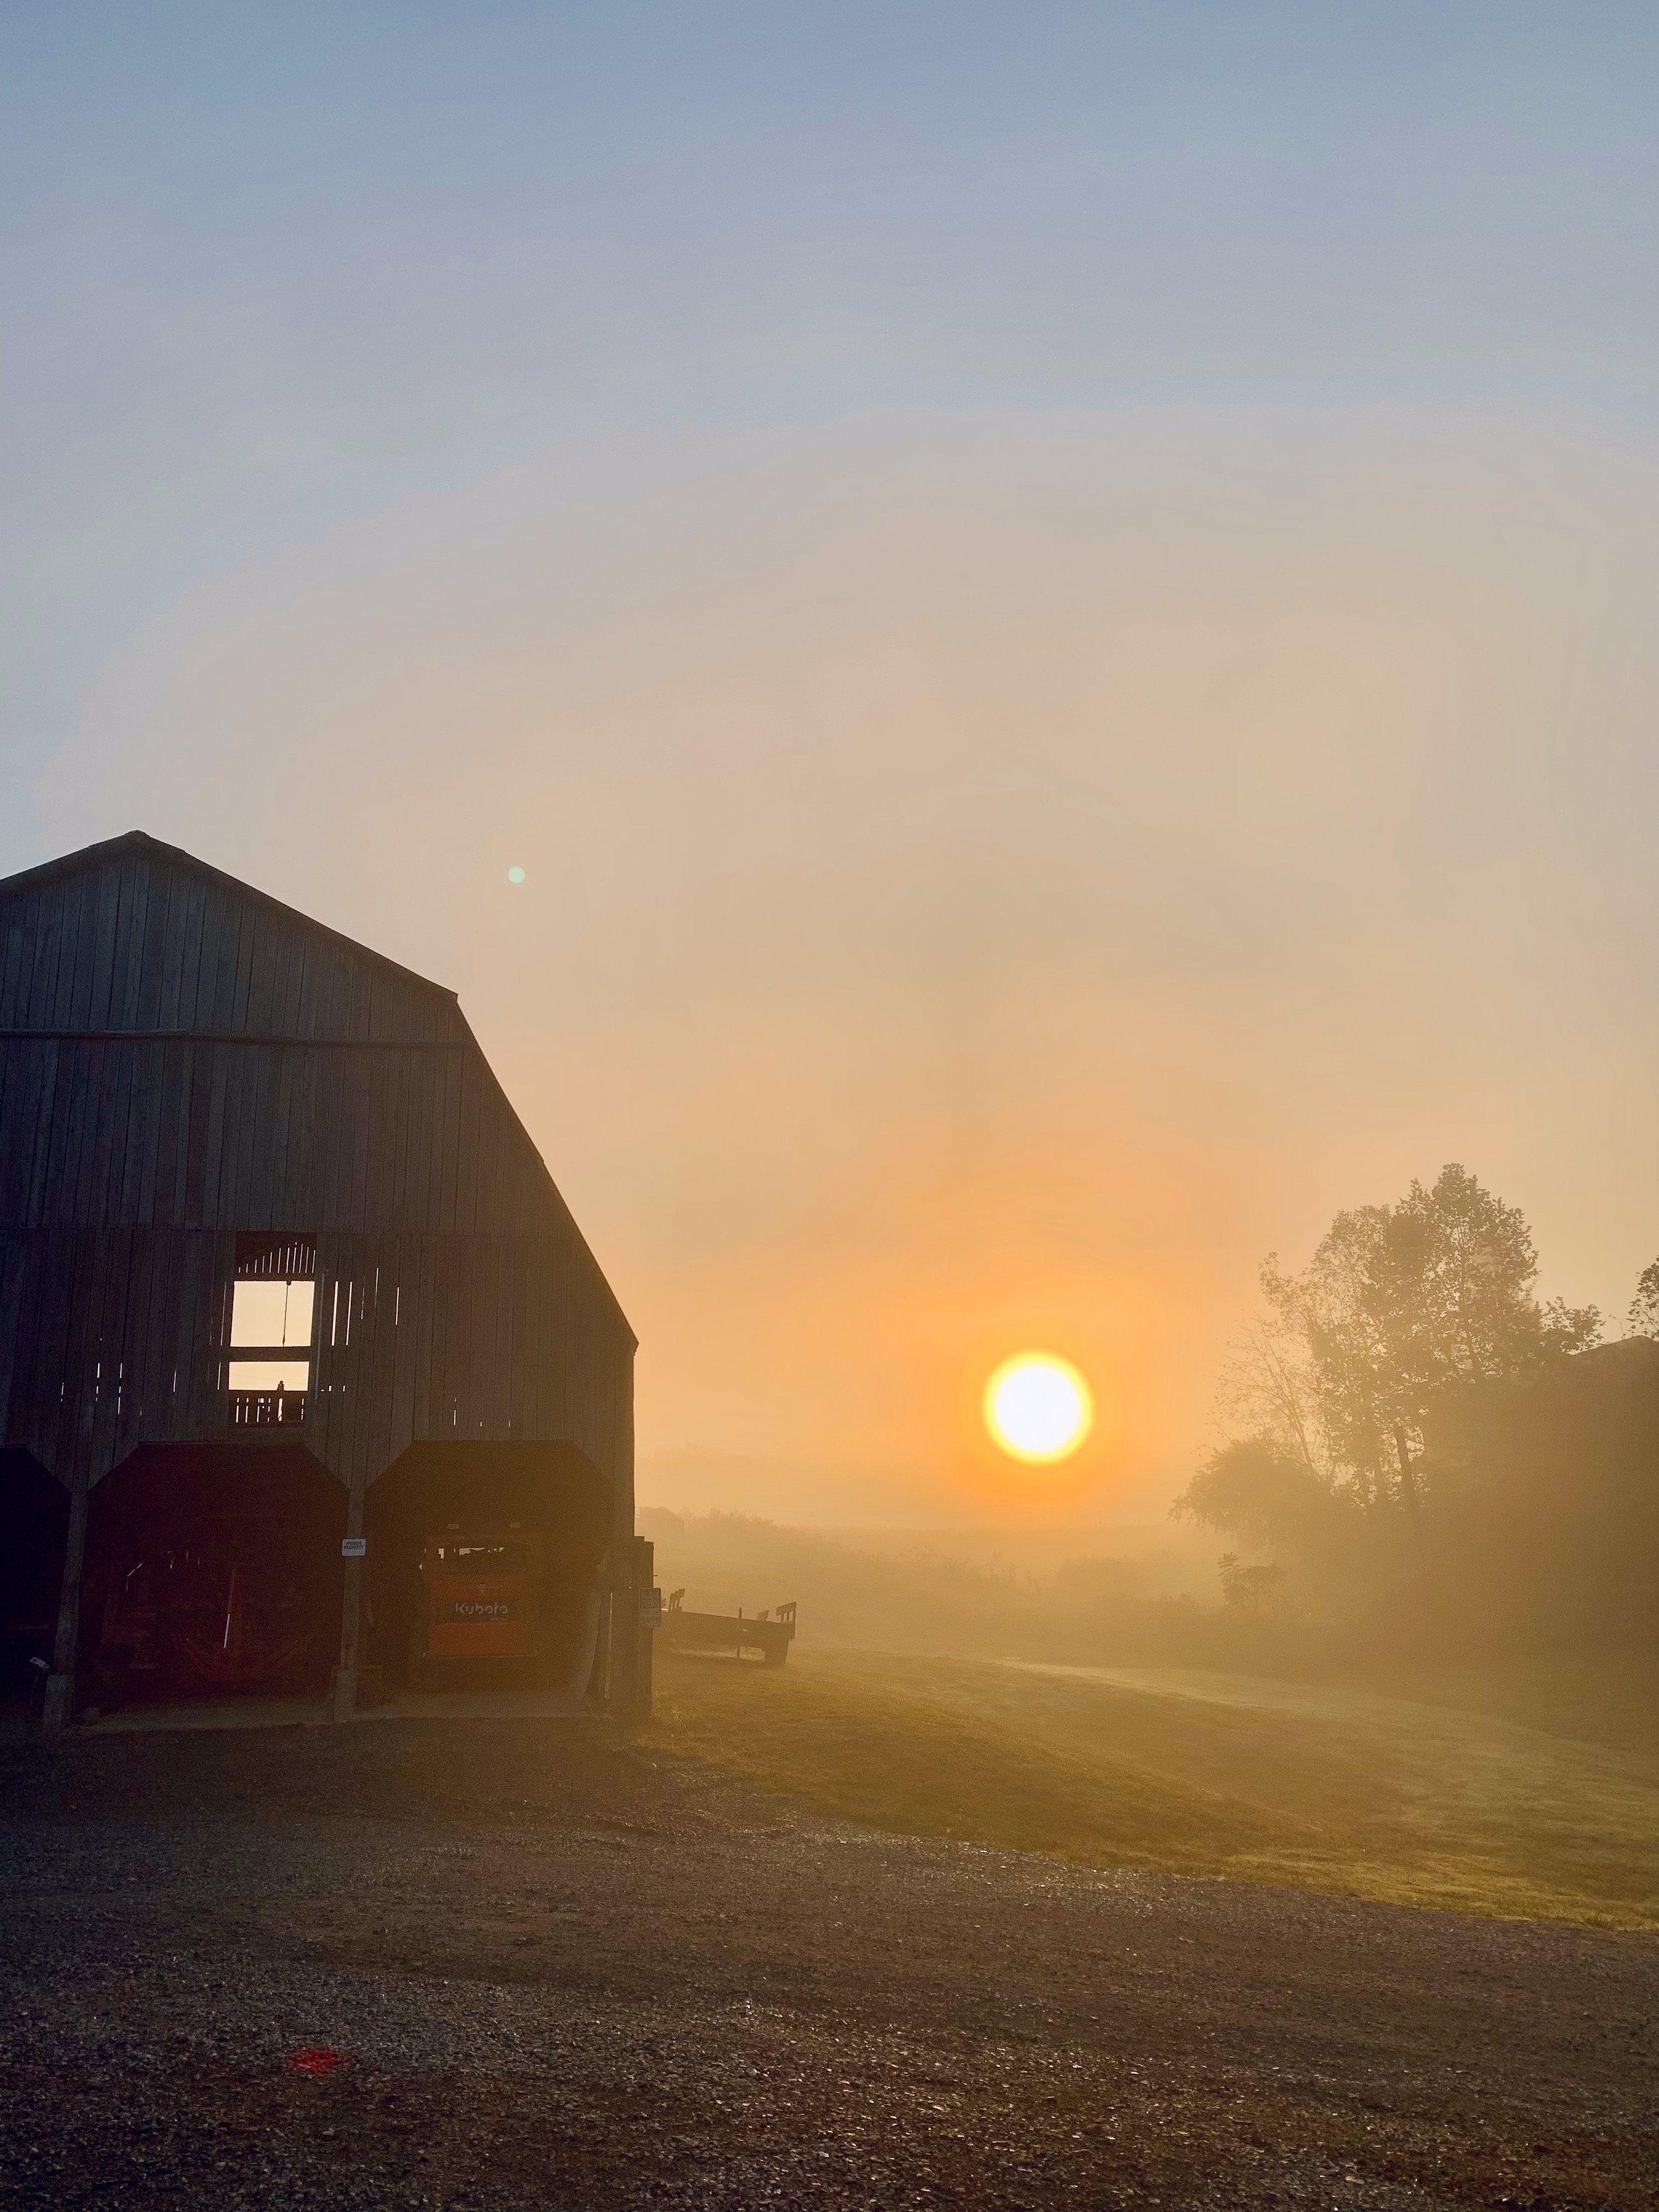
{"x": 562, "y": 1974}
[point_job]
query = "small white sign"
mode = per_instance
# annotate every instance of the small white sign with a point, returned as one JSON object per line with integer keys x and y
{"x": 353, "y": 1547}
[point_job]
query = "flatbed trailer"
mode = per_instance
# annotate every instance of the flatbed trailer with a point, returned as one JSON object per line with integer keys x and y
{"x": 768, "y": 1633}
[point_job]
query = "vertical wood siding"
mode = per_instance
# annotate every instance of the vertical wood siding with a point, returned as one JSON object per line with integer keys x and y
{"x": 323, "y": 1089}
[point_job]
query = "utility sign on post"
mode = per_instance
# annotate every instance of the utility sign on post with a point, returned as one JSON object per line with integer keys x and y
{"x": 353, "y": 1547}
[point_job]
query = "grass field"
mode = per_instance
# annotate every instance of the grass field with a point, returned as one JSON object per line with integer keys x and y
{"x": 1322, "y": 1788}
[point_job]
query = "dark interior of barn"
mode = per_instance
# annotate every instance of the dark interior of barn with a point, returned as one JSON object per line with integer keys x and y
{"x": 33, "y": 1523}
{"x": 515, "y": 1531}
{"x": 213, "y": 1571}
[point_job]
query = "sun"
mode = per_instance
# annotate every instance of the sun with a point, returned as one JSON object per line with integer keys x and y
{"x": 1038, "y": 1408}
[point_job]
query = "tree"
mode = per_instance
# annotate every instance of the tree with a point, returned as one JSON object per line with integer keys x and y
{"x": 1397, "y": 1302}
{"x": 1253, "y": 1493}
{"x": 1448, "y": 1298}
{"x": 1333, "y": 1310}
{"x": 1642, "y": 1319}
{"x": 1255, "y": 1593}
{"x": 1461, "y": 1264}
{"x": 1266, "y": 1385}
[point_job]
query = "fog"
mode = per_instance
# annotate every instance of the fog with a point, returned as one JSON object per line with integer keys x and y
{"x": 988, "y": 881}
{"x": 1056, "y": 612}
{"x": 985, "y": 1595}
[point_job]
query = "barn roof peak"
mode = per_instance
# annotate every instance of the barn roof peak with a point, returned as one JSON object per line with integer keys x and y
{"x": 139, "y": 843}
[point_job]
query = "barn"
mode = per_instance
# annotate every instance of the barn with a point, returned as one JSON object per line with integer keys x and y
{"x": 310, "y": 1387}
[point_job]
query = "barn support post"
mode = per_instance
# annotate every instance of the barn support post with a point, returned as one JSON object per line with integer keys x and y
{"x": 602, "y": 1681}
{"x": 647, "y": 1619}
{"x": 60, "y": 1683}
{"x": 628, "y": 1633}
{"x": 351, "y": 1606}
{"x": 623, "y": 1639}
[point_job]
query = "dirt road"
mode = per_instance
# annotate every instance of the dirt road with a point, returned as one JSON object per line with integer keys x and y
{"x": 563, "y": 1975}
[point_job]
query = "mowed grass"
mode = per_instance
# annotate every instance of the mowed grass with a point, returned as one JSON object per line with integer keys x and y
{"x": 1235, "y": 1776}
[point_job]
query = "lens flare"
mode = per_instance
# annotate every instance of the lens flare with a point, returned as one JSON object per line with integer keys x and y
{"x": 1038, "y": 1408}
{"x": 515, "y": 875}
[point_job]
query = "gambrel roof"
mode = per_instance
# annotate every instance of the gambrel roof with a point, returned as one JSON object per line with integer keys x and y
{"x": 145, "y": 863}
{"x": 134, "y": 947}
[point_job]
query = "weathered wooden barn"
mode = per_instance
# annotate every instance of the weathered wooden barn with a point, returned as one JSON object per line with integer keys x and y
{"x": 288, "y": 1303}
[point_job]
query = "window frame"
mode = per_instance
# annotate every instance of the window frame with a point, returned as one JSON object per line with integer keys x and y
{"x": 269, "y": 1258}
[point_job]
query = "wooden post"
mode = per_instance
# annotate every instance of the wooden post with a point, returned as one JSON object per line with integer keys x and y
{"x": 60, "y": 1683}
{"x": 351, "y": 1609}
{"x": 604, "y": 1673}
{"x": 624, "y": 1639}
{"x": 647, "y": 1617}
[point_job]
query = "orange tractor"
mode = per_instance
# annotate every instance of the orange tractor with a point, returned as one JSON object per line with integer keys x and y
{"x": 479, "y": 1591}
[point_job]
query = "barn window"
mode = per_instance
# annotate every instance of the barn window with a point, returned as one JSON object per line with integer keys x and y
{"x": 273, "y": 1301}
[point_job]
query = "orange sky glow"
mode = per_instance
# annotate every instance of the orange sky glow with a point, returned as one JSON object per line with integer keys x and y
{"x": 988, "y": 881}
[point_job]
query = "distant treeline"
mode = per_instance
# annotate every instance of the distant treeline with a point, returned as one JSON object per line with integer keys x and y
{"x": 921, "y": 1599}
{"x": 1428, "y": 1457}
{"x": 1099, "y": 1611}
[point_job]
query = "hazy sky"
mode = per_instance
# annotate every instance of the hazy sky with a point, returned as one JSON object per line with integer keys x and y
{"x": 1055, "y": 601}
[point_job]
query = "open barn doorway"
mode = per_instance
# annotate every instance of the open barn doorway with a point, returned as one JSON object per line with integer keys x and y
{"x": 33, "y": 1527}
{"x": 483, "y": 1567}
{"x": 212, "y": 1571}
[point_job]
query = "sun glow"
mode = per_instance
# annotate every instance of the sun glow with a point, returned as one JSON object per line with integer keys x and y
{"x": 1038, "y": 1408}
